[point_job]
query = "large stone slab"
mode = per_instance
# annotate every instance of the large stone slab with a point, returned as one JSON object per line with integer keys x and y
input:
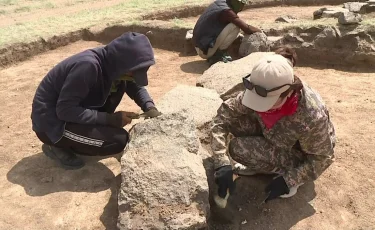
{"x": 333, "y": 12}
{"x": 200, "y": 103}
{"x": 164, "y": 185}
{"x": 224, "y": 76}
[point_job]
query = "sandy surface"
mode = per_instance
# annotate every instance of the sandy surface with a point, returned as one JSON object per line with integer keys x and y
{"x": 37, "y": 194}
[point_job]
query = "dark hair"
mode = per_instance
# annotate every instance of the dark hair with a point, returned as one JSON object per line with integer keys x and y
{"x": 296, "y": 86}
{"x": 288, "y": 53}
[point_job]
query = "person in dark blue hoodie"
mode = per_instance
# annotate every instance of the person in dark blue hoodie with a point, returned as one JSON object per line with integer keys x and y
{"x": 73, "y": 110}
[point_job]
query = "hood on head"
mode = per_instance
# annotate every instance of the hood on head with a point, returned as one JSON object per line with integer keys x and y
{"x": 130, "y": 53}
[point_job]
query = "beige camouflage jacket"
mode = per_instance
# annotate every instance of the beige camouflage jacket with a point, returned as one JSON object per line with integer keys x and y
{"x": 310, "y": 126}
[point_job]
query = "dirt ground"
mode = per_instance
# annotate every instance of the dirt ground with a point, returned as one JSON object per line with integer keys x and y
{"x": 37, "y": 194}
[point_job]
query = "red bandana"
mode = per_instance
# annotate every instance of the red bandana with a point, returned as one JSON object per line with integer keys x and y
{"x": 270, "y": 117}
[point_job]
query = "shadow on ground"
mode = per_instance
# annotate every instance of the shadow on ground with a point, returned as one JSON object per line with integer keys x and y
{"x": 40, "y": 176}
{"x": 197, "y": 67}
{"x": 246, "y": 210}
{"x": 110, "y": 212}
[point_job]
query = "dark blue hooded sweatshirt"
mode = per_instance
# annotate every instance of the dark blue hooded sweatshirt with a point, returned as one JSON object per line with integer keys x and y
{"x": 76, "y": 87}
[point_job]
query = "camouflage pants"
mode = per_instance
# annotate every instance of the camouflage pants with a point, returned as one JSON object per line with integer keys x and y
{"x": 260, "y": 156}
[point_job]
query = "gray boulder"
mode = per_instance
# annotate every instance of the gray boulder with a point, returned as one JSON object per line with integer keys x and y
{"x": 256, "y": 42}
{"x": 222, "y": 77}
{"x": 356, "y": 7}
{"x": 328, "y": 38}
{"x": 350, "y": 18}
{"x": 200, "y": 103}
{"x": 164, "y": 184}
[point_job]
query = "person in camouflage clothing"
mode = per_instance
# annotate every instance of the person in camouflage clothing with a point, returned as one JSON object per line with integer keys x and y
{"x": 277, "y": 125}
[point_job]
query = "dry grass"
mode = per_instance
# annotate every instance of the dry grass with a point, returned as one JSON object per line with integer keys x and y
{"x": 79, "y": 14}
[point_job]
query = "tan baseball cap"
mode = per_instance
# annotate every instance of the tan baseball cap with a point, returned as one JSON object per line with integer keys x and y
{"x": 270, "y": 72}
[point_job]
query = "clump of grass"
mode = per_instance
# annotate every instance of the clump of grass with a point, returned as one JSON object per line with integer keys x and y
{"x": 49, "y": 5}
{"x": 8, "y": 2}
{"x": 2, "y": 12}
{"x": 22, "y": 9}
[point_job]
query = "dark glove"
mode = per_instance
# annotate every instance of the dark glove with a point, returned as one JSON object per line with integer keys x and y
{"x": 224, "y": 180}
{"x": 276, "y": 188}
{"x": 151, "y": 113}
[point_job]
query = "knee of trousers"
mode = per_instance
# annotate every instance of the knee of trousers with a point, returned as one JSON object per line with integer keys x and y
{"x": 121, "y": 139}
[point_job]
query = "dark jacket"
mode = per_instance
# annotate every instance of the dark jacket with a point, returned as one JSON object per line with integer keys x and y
{"x": 76, "y": 87}
{"x": 208, "y": 26}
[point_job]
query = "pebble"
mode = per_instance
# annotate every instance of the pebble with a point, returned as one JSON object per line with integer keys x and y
{"x": 244, "y": 222}
{"x": 47, "y": 179}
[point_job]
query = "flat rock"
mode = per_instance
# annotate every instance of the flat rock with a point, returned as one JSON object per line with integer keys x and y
{"x": 350, "y": 18}
{"x": 164, "y": 184}
{"x": 222, "y": 77}
{"x": 333, "y": 12}
{"x": 256, "y": 42}
{"x": 200, "y": 103}
{"x": 330, "y": 12}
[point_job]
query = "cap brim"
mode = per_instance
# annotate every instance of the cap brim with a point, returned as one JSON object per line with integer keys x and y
{"x": 140, "y": 76}
{"x": 258, "y": 103}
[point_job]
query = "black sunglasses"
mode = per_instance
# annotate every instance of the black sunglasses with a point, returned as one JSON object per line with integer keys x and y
{"x": 261, "y": 91}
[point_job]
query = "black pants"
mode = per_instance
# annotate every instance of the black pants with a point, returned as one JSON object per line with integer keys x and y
{"x": 93, "y": 139}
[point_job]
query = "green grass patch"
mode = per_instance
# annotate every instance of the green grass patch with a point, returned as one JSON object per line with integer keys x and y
{"x": 125, "y": 12}
{"x": 8, "y": 2}
{"x": 22, "y": 9}
{"x": 49, "y": 5}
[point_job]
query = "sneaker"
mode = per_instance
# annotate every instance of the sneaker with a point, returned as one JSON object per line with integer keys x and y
{"x": 219, "y": 56}
{"x": 292, "y": 191}
{"x": 65, "y": 157}
{"x": 227, "y": 56}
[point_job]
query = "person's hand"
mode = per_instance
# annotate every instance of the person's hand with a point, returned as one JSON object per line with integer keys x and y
{"x": 276, "y": 188}
{"x": 151, "y": 113}
{"x": 120, "y": 118}
{"x": 224, "y": 180}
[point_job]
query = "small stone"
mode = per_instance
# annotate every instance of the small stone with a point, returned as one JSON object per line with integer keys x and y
{"x": 148, "y": 33}
{"x": 33, "y": 146}
{"x": 293, "y": 38}
{"x": 339, "y": 101}
{"x": 353, "y": 151}
{"x": 77, "y": 203}
{"x": 307, "y": 45}
{"x": 47, "y": 179}
{"x": 244, "y": 222}
{"x": 286, "y": 19}
{"x": 240, "y": 209}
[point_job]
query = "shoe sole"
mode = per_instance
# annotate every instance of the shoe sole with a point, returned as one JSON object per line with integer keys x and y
{"x": 52, "y": 156}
